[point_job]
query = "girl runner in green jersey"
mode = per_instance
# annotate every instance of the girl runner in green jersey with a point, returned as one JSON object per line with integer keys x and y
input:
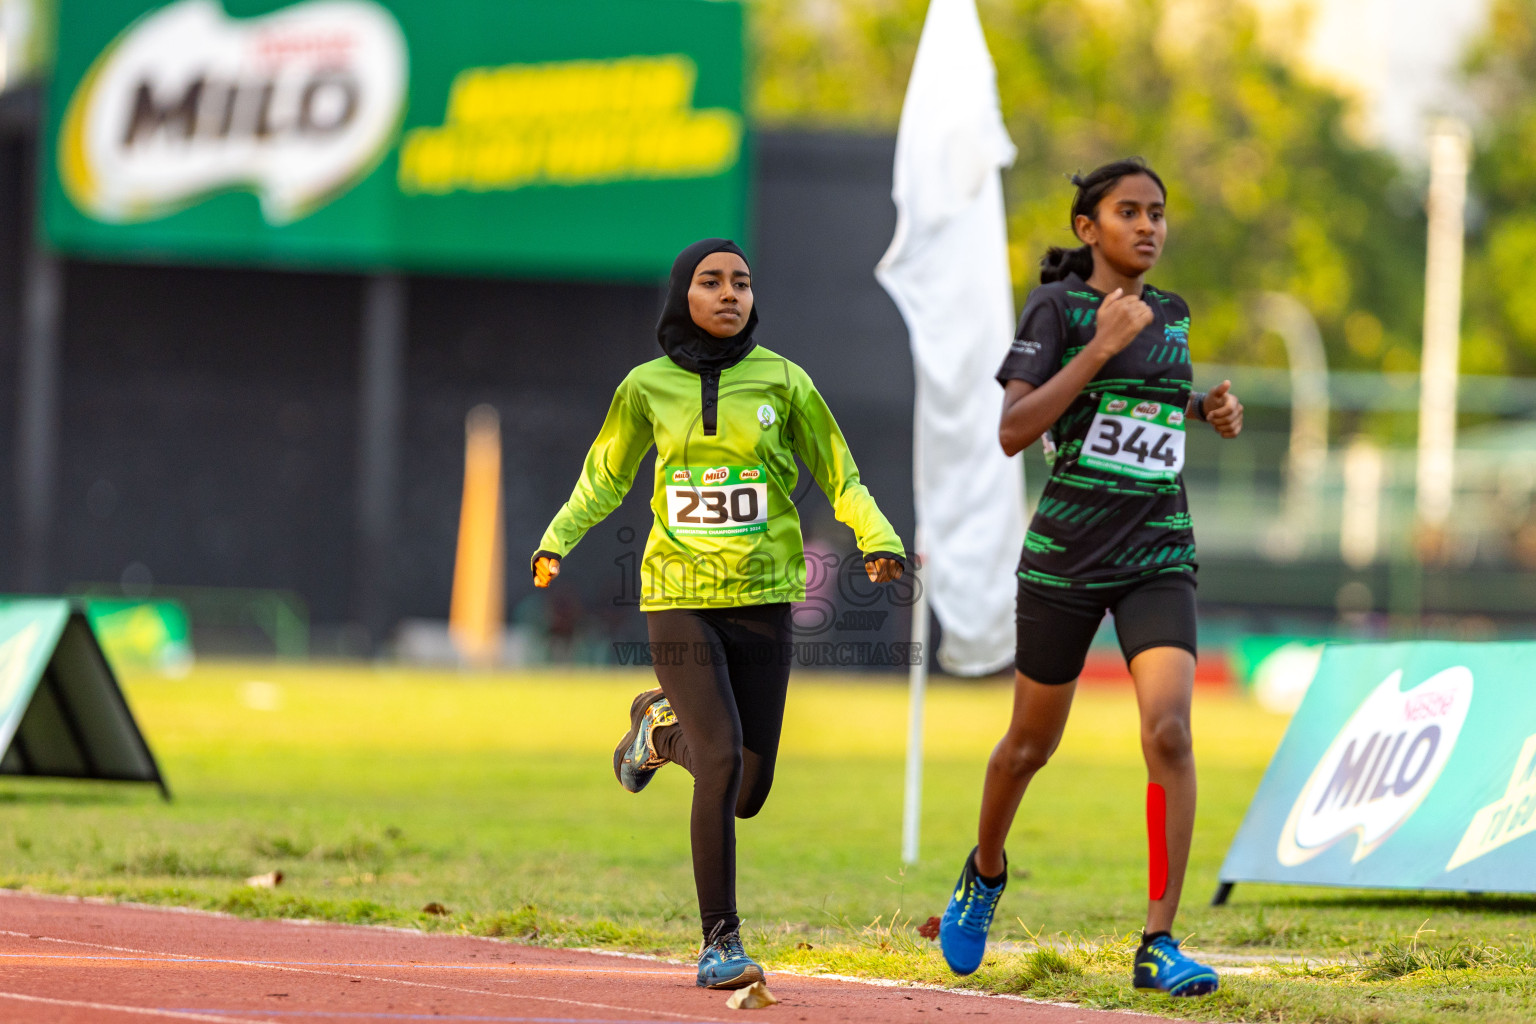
{"x": 1100, "y": 372}
{"x": 723, "y": 561}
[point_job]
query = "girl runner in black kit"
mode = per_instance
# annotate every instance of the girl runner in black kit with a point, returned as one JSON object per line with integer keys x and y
{"x": 1100, "y": 372}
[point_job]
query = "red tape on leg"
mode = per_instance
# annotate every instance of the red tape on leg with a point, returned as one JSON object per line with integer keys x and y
{"x": 1157, "y": 841}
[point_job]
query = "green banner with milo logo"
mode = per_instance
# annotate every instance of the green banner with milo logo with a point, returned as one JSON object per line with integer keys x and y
{"x": 504, "y": 136}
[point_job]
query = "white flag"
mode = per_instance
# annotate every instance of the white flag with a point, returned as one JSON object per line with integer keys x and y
{"x": 947, "y": 269}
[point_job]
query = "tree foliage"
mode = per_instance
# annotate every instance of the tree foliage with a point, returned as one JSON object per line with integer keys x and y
{"x": 1268, "y": 192}
{"x": 1499, "y": 333}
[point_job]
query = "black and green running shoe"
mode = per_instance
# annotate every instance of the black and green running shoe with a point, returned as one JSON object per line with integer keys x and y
{"x": 635, "y": 759}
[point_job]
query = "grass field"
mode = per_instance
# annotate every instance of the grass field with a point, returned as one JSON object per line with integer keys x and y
{"x": 378, "y": 791}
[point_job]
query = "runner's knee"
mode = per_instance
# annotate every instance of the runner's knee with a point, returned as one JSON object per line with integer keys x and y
{"x": 720, "y": 763}
{"x": 1022, "y": 759}
{"x": 1167, "y": 739}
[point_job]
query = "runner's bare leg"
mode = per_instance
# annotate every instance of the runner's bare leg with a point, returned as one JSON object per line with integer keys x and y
{"x": 1039, "y": 717}
{"x": 1165, "y": 683}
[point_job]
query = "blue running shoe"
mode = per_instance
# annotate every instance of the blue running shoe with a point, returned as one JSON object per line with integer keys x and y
{"x": 635, "y": 759}
{"x": 963, "y": 931}
{"x": 1160, "y": 965}
{"x": 724, "y": 964}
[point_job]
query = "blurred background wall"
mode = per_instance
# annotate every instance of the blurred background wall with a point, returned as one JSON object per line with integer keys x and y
{"x": 211, "y": 426}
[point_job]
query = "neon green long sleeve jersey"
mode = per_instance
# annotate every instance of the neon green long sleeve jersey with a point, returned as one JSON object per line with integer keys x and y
{"x": 725, "y": 530}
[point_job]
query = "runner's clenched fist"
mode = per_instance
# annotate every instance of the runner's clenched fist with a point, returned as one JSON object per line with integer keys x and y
{"x": 1223, "y": 411}
{"x": 1120, "y": 319}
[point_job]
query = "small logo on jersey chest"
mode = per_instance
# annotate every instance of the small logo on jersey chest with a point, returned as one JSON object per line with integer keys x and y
{"x": 766, "y": 416}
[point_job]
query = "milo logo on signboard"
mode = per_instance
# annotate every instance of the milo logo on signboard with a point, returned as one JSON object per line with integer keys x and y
{"x": 1380, "y": 767}
{"x": 296, "y": 106}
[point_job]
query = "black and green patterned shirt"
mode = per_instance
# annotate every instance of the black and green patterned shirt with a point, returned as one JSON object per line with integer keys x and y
{"x": 1098, "y": 527}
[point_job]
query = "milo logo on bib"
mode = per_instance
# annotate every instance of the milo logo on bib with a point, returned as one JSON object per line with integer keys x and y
{"x": 728, "y": 501}
{"x": 1142, "y": 440}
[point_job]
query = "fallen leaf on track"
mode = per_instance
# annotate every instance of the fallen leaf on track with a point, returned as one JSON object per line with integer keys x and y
{"x": 754, "y": 997}
{"x": 930, "y": 930}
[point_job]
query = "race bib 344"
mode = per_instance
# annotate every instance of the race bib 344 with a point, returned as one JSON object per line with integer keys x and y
{"x": 1144, "y": 440}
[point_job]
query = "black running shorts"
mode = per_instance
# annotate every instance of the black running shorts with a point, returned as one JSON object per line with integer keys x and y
{"x": 1055, "y": 627}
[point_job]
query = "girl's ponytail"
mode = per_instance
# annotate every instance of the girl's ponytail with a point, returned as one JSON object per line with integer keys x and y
{"x": 1057, "y": 262}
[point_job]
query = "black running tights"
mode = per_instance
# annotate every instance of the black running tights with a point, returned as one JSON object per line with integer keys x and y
{"x": 725, "y": 672}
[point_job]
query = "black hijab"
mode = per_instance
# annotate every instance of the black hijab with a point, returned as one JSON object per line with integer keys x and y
{"x": 689, "y": 345}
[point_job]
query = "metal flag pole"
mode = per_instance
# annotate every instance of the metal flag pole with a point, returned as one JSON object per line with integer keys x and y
{"x": 917, "y": 686}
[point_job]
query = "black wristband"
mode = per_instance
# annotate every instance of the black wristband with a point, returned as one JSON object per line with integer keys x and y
{"x": 541, "y": 553}
{"x": 893, "y": 556}
{"x": 1197, "y": 403}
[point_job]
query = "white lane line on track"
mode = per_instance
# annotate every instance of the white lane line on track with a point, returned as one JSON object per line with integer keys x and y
{"x": 875, "y": 982}
{"x": 434, "y": 1017}
{"x": 852, "y": 979}
{"x": 973, "y": 993}
{"x": 182, "y": 957}
{"x": 872, "y": 982}
{"x": 512, "y": 967}
{"x": 147, "y": 1011}
{"x": 619, "y": 954}
{"x": 93, "y": 945}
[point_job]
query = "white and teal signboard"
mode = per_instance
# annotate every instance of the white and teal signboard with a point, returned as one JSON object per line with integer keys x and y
{"x": 62, "y": 713}
{"x": 1407, "y": 766}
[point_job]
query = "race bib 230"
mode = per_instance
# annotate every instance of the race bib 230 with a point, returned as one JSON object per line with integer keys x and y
{"x": 716, "y": 501}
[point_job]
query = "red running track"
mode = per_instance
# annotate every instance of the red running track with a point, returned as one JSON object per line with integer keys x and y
{"x": 66, "y": 961}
